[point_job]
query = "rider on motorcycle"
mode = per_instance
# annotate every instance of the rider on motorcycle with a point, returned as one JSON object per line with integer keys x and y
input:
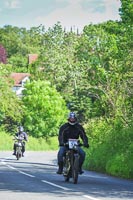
{"x": 22, "y": 135}
{"x": 71, "y": 130}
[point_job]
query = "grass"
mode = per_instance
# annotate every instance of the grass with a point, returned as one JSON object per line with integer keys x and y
{"x": 33, "y": 144}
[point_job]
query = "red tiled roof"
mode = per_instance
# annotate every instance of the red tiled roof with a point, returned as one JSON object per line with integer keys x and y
{"x": 32, "y": 58}
{"x": 18, "y": 77}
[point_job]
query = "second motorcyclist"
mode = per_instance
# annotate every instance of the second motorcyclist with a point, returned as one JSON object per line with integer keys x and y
{"x": 24, "y": 137}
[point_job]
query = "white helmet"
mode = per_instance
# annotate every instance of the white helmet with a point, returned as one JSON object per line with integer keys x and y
{"x": 21, "y": 129}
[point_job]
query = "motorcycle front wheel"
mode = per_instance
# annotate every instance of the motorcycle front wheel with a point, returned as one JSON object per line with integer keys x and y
{"x": 75, "y": 170}
{"x": 67, "y": 175}
{"x": 18, "y": 154}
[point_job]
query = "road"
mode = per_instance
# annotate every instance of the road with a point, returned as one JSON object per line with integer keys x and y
{"x": 34, "y": 177}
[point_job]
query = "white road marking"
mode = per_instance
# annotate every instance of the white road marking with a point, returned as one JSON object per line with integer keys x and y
{"x": 11, "y": 167}
{"x": 3, "y": 162}
{"x": 20, "y": 171}
{"x": 91, "y": 198}
{"x": 26, "y": 174}
{"x": 94, "y": 176}
{"x": 64, "y": 188}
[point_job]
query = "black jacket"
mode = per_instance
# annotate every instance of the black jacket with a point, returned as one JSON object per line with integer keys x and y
{"x": 68, "y": 131}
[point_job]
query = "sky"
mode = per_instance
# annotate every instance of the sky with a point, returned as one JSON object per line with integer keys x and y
{"x": 70, "y": 13}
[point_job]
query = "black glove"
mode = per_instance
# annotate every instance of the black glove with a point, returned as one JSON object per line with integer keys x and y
{"x": 86, "y": 145}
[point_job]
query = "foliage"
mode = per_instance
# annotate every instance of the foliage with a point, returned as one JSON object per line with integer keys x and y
{"x": 106, "y": 153}
{"x": 126, "y": 11}
{"x": 6, "y": 142}
{"x": 33, "y": 144}
{"x": 19, "y": 60}
{"x": 45, "y": 109}
{"x": 3, "y": 55}
{"x": 92, "y": 73}
{"x": 40, "y": 144}
{"x": 11, "y": 106}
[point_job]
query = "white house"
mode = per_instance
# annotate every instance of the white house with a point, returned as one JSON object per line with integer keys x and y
{"x": 19, "y": 82}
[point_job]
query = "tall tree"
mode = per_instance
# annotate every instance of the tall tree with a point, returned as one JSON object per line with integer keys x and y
{"x": 126, "y": 11}
{"x": 3, "y": 55}
{"x": 11, "y": 110}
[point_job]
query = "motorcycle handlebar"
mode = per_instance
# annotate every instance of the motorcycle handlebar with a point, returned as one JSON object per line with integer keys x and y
{"x": 16, "y": 138}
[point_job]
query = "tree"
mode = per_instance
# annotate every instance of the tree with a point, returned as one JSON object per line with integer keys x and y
{"x": 3, "y": 55}
{"x": 57, "y": 59}
{"x": 45, "y": 109}
{"x": 126, "y": 11}
{"x": 11, "y": 110}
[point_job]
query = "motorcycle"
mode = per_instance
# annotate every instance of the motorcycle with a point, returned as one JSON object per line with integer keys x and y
{"x": 18, "y": 144}
{"x": 71, "y": 161}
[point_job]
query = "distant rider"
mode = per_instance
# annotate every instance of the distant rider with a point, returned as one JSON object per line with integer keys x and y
{"x": 71, "y": 130}
{"x": 22, "y": 135}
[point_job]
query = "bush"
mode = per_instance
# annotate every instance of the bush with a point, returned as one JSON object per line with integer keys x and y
{"x": 120, "y": 165}
{"x": 110, "y": 149}
{"x": 6, "y": 143}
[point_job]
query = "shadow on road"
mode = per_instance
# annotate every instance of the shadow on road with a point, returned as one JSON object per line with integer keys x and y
{"x": 11, "y": 179}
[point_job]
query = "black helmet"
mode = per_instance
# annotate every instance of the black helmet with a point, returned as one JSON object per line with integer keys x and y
{"x": 72, "y": 119}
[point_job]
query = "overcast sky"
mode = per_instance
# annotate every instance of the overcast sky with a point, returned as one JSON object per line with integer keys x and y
{"x": 70, "y": 13}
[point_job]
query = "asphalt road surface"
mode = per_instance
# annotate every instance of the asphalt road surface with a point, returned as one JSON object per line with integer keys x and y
{"x": 34, "y": 177}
